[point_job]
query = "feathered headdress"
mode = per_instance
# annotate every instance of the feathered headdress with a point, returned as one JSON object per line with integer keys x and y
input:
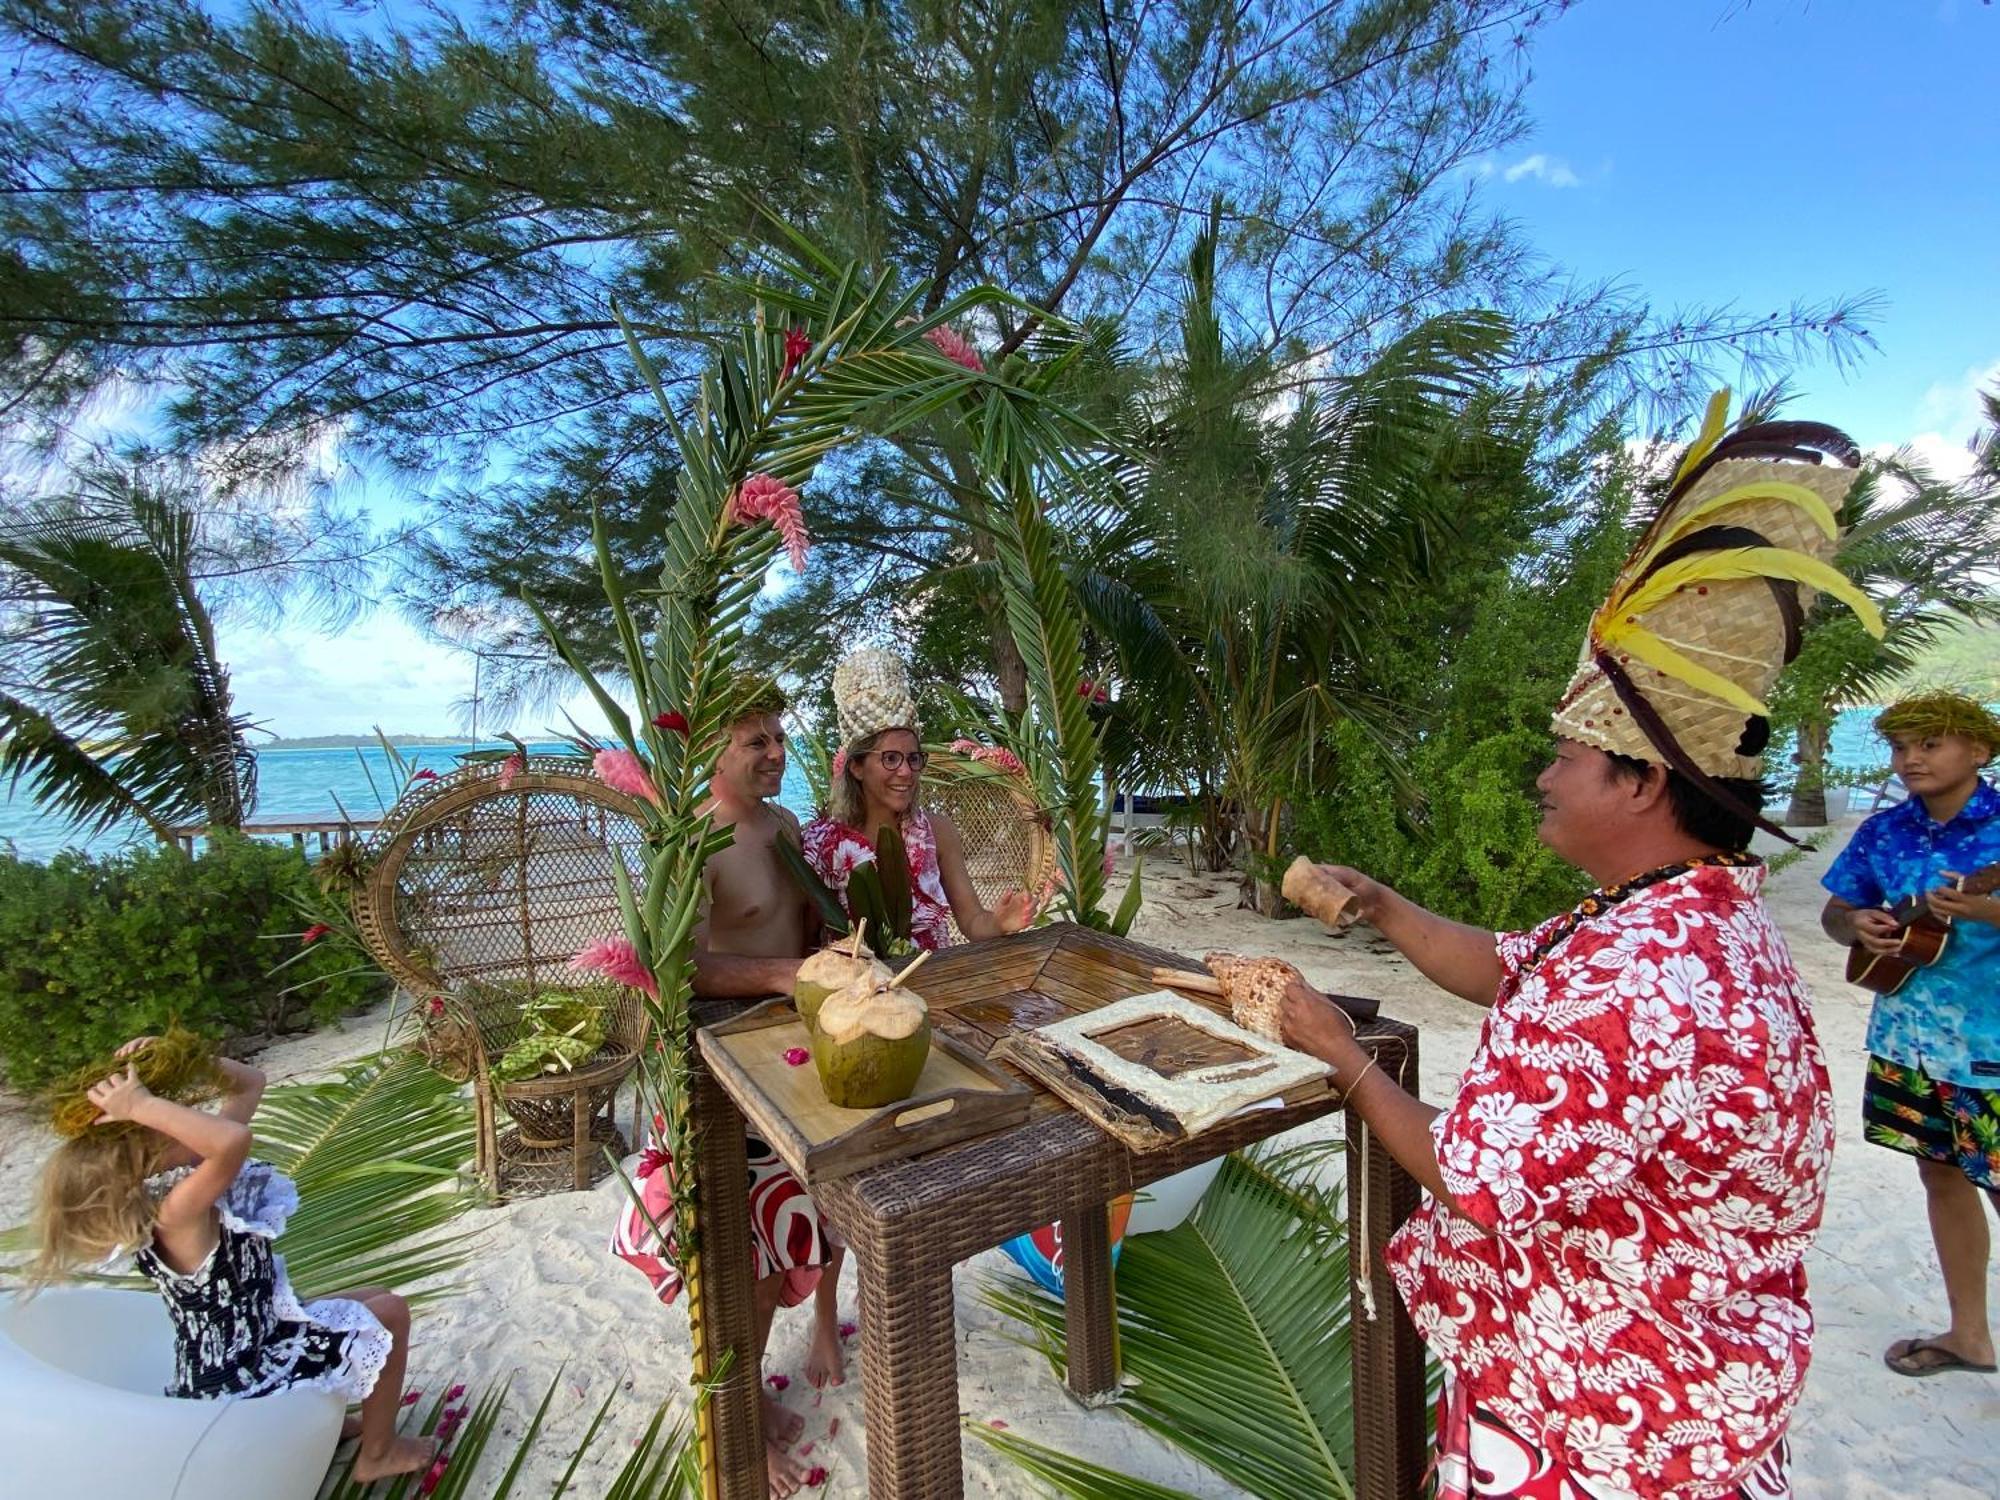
{"x": 1711, "y": 603}
{"x": 871, "y": 693}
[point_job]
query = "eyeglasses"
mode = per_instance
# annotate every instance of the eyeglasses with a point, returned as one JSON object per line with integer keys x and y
{"x": 895, "y": 760}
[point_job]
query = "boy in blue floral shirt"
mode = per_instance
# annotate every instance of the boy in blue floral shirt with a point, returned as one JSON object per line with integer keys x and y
{"x": 1933, "y": 1086}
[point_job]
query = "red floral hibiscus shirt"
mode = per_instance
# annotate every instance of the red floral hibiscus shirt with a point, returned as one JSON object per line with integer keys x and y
{"x": 1640, "y": 1146}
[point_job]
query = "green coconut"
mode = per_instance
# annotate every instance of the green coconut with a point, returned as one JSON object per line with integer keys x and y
{"x": 870, "y": 1043}
{"x": 828, "y": 970}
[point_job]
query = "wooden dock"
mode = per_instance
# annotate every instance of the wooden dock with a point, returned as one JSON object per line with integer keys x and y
{"x": 327, "y": 831}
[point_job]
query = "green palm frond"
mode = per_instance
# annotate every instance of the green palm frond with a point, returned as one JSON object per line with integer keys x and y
{"x": 1067, "y": 1475}
{"x": 1234, "y": 1327}
{"x": 376, "y": 1154}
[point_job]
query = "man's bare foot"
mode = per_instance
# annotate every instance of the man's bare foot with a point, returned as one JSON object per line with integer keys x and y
{"x": 404, "y": 1455}
{"x": 784, "y": 1472}
{"x": 351, "y": 1428}
{"x": 825, "y": 1361}
{"x": 781, "y": 1427}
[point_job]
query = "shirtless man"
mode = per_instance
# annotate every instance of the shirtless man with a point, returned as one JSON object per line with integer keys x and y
{"x": 757, "y": 929}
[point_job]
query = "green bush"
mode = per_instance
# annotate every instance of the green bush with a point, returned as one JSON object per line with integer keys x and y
{"x": 96, "y": 951}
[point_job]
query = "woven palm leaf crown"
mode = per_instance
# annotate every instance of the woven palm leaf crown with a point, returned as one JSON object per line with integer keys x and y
{"x": 1712, "y": 601}
{"x": 871, "y": 693}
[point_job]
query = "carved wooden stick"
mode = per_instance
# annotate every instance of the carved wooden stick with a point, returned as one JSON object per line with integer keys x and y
{"x": 1191, "y": 980}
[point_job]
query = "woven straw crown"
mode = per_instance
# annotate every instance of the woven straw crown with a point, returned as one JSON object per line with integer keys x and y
{"x": 871, "y": 693}
{"x": 1709, "y": 606}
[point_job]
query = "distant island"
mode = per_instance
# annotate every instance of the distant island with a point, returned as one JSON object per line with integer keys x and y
{"x": 361, "y": 741}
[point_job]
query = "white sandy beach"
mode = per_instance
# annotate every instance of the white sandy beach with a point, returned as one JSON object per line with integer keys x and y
{"x": 545, "y": 1296}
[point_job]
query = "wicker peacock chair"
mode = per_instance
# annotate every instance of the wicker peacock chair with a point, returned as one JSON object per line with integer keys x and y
{"x": 477, "y": 897}
{"x": 1003, "y": 828}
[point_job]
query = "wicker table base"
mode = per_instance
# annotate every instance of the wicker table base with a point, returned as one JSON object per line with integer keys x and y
{"x": 525, "y": 1171}
{"x": 909, "y": 1222}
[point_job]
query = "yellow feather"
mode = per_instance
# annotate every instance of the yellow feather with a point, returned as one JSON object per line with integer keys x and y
{"x": 1756, "y": 489}
{"x": 1649, "y": 648}
{"x": 1752, "y": 562}
{"x": 1712, "y": 422}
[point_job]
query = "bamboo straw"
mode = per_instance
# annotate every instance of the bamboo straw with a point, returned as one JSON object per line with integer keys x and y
{"x": 1191, "y": 980}
{"x": 854, "y": 948}
{"x": 914, "y": 964}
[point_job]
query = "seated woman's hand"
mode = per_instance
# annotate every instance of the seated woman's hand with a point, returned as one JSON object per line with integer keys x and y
{"x": 1014, "y": 911}
{"x": 134, "y": 1045}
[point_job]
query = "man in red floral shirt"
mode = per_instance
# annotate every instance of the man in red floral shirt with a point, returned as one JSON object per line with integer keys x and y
{"x": 1609, "y": 1262}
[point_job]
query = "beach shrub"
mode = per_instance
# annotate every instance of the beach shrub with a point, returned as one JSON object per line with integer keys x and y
{"x": 94, "y": 951}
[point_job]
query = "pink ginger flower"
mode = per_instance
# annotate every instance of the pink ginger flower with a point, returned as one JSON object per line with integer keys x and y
{"x": 839, "y": 767}
{"x": 955, "y": 347}
{"x": 623, "y": 771}
{"x": 1006, "y": 760}
{"x": 433, "y": 1476}
{"x": 511, "y": 767}
{"x": 816, "y": 1475}
{"x": 650, "y": 1161}
{"x": 763, "y": 498}
{"x": 427, "y": 774}
{"x": 848, "y": 1330}
{"x": 797, "y": 1057}
{"x": 965, "y": 747}
{"x": 616, "y": 959}
{"x": 313, "y": 934}
{"x": 411, "y": 1398}
{"x": 777, "y": 1382}
{"x": 454, "y": 1393}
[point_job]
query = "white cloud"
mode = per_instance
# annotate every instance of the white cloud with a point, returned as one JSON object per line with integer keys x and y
{"x": 1541, "y": 167}
{"x": 381, "y": 671}
{"x": 1953, "y": 406}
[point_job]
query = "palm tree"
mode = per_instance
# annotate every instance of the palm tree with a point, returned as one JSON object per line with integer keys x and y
{"x": 112, "y": 695}
{"x": 1261, "y": 529}
{"x": 1926, "y": 551}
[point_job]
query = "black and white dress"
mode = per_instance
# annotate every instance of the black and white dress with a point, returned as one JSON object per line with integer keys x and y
{"x": 240, "y": 1327}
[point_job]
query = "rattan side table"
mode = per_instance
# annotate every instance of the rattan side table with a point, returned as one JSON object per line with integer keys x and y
{"x": 911, "y": 1221}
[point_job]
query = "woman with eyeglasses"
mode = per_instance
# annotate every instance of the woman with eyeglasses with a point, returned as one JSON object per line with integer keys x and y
{"x": 876, "y": 776}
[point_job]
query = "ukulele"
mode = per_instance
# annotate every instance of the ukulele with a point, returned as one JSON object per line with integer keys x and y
{"x": 1923, "y": 935}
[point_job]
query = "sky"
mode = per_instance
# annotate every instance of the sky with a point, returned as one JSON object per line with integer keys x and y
{"x": 1704, "y": 152}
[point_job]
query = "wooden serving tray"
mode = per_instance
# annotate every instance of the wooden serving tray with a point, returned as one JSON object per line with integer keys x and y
{"x": 958, "y": 1096}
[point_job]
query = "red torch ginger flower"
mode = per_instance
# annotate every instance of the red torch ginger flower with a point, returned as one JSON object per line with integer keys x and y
{"x": 427, "y": 774}
{"x": 676, "y": 722}
{"x": 955, "y": 347}
{"x": 650, "y": 1161}
{"x": 511, "y": 767}
{"x": 764, "y": 498}
{"x": 313, "y": 934}
{"x": 623, "y": 771}
{"x": 798, "y": 344}
{"x": 616, "y": 959}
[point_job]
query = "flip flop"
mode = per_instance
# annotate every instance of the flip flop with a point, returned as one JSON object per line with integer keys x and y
{"x": 1903, "y": 1360}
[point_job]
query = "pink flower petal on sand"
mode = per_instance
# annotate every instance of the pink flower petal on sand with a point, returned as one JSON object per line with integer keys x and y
{"x": 816, "y": 1475}
{"x": 616, "y": 959}
{"x": 797, "y": 1057}
{"x": 454, "y": 1393}
{"x": 623, "y": 771}
{"x": 763, "y": 497}
{"x": 848, "y": 1330}
{"x": 833, "y": 1428}
{"x": 804, "y": 1450}
{"x": 997, "y": 1425}
{"x": 777, "y": 1382}
{"x": 410, "y": 1398}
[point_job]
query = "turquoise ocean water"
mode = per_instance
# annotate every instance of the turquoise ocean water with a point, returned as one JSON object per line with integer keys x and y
{"x": 304, "y": 784}
{"x": 292, "y": 785}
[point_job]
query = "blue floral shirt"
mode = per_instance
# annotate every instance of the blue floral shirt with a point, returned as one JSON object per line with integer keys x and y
{"x": 1946, "y": 1018}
